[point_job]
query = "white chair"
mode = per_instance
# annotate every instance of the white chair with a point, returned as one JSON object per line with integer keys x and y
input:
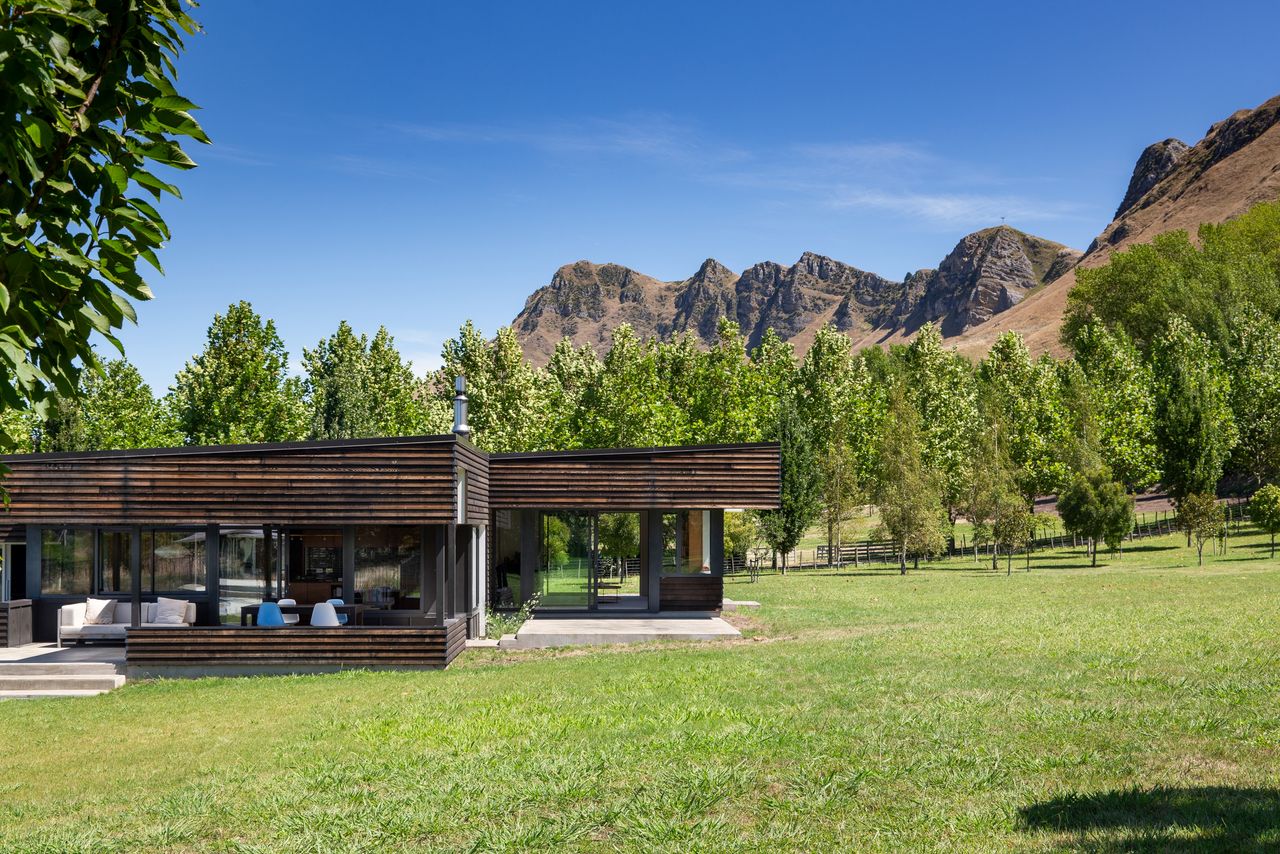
{"x": 325, "y": 616}
{"x": 289, "y": 619}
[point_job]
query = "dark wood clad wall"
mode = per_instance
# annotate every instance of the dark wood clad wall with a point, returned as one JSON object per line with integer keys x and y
{"x": 746, "y": 476}
{"x": 476, "y": 462}
{"x": 390, "y": 482}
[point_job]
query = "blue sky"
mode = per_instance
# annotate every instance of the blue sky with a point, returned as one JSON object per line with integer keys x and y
{"x": 434, "y": 162}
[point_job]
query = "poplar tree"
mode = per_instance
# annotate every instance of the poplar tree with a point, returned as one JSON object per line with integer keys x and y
{"x": 800, "y": 500}
{"x": 113, "y": 409}
{"x": 908, "y": 495}
{"x": 238, "y": 389}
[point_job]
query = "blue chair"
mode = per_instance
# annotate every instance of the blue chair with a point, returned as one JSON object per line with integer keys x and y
{"x": 269, "y": 615}
{"x": 342, "y": 618}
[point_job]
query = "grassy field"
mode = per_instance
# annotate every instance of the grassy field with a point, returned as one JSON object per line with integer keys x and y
{"x": 1131, "y": 707}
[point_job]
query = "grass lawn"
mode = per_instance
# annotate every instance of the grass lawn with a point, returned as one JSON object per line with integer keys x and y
{"x": 1134, "y": 706}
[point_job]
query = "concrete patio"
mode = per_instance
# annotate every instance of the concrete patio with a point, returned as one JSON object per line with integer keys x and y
{"x": 548, "y": 630}
{"x": 42, "y": 670}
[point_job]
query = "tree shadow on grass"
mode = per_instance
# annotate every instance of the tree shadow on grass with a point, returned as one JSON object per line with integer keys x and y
{"x": 1203, "y": 818}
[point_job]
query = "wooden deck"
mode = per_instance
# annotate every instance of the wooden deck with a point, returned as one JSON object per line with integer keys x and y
{"x": 237, "y": 651}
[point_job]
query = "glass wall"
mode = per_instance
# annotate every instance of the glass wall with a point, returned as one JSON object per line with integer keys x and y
{"x": 173, "y": 562}
{"x": 504, "y": 579}
{"x": 566, "y": 558}
{"x": 66, "y": 561}
{"x": 686, "y": 542}
{"x": 247, "y": 574}
{"x": 115, "y": 573}
{"x": 389, "y": 567}
{"x": 315, "y": 566}
{"x": 618, "y": 566}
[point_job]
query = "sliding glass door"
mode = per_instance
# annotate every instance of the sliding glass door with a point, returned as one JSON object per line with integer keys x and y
{"x": 566, "y": 560}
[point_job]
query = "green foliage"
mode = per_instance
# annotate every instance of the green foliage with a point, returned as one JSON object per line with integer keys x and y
{"x": 801, "y": 480}
{"x": 1028, "y": 398}
{"x": 90, "y": 108}
{"x": 993, "y": 503}
{"x": 1201, "y": 517}
{"x": 619, "y": 534}
{"x": 941, "y": 389}
{"x": 1235, "y": 267}
{"x": 357, "y": 388}
{"x": 629, "y": 405}
{"x": 908, "y": 494}
{"x": 741, "y": 534}
{"x": 1095, "y": 506}
{"x": 1195, "y": 429}
{"x": 1122, "y": 389}
{"x": 239, "y": 389}
{"x": 114, "y": 409}
{"x": 1254, "y": 369}
{"x": 1264, "y": 511}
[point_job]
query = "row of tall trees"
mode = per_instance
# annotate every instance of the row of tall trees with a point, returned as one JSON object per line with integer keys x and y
{"x": 926, "y": 435}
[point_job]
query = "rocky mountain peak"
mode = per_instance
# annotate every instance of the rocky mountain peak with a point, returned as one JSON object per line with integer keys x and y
{"x": 1156, "y": 161}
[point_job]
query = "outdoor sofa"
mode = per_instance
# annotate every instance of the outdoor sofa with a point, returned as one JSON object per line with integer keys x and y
{"x": 72, "y": 625}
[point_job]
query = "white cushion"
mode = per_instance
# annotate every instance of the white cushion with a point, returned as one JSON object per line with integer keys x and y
{"x": 98, "y": 612}
{"x": 124, "y": 613}
{"x": 170, "y": 612}
{"x": 71, "y": 615}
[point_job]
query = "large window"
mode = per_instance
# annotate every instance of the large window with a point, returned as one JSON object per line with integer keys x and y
{"x": 115, "y": 573}
{"x": 66, "y": 561}
{"x": 686, "y": 542}
{"x": 173, "y": 562}
{"x": 565, "y": 562}
{"x": 246, "y": 573}
{"x": 389, "y": 567}
{"x": 504, "y": 581}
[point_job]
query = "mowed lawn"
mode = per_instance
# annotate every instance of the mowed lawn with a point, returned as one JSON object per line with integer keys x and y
{"x": 1135, "y": 706}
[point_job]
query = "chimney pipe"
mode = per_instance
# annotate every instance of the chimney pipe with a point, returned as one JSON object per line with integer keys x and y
{"x": 460, "y": 426}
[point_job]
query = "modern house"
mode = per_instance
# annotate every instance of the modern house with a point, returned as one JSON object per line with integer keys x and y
{"x": 416, "y": 534}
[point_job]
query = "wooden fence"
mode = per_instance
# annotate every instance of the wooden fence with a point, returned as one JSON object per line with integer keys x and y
{"x": 882, "y": 552}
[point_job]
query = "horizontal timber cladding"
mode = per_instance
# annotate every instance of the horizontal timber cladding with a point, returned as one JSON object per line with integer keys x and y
{"x": 384, "y": 481}
{"x": 691, "y": 593}
{"x": 216, "y": 649}
{"x": 705, "y": 477}
{"x": 476, "y": 464}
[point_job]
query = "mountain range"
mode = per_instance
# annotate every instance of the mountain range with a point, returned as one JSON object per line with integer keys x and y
{"x": 994, "y": 280}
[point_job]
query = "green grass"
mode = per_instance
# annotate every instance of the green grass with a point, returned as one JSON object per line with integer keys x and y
{"x": 1131, "y": 707}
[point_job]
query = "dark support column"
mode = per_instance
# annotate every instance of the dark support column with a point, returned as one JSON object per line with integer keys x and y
{"x": 654, "y": 567}
{"x": 269, "y": 563}
{"x": 135, "y": 574}
{"x": 212, "y": 544}
{"x": 528, "y": 553}
{"x": 440, "y": 549}
{"x": 451, "y": 576}
{"x": 349, "y": 563}
{"x": 717, "y": 542}
{"x": 644, "y": 553}
{"x": 34, "y": 545}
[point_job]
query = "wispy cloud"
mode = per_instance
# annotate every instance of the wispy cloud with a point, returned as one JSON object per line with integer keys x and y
{"x": 898, "y": 177}
{"x": 646, "y": 136}
{"x": 230, "y": 154}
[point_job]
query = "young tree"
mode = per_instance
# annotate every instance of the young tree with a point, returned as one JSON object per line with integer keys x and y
{"x": 1201, "y": 516}
{"x": 908, "y": 495}
{"x": 90, "y": 105}
{"x": 114, "y": 409}
{"x": 1264, "y": 510}
{"x": 741, "y": 534}
{"x": 840, "y": 490}
{"x": 1195, "y": 430}
{"x": 801, "y": 499}
{"x": 1095, "y": 506}
{"x": 239, "y": 389}
{"x": 1254, "y": 369}
{"x": 994, "y": 505}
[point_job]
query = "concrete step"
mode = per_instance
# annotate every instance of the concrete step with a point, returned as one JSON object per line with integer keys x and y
{"x": 46, "y": 682}
{"x": 58, "y": 668}
{"x": 37, "y": 695}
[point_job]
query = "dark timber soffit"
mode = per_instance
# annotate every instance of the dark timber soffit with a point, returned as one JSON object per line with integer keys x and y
{"x": 255, "y": 448}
